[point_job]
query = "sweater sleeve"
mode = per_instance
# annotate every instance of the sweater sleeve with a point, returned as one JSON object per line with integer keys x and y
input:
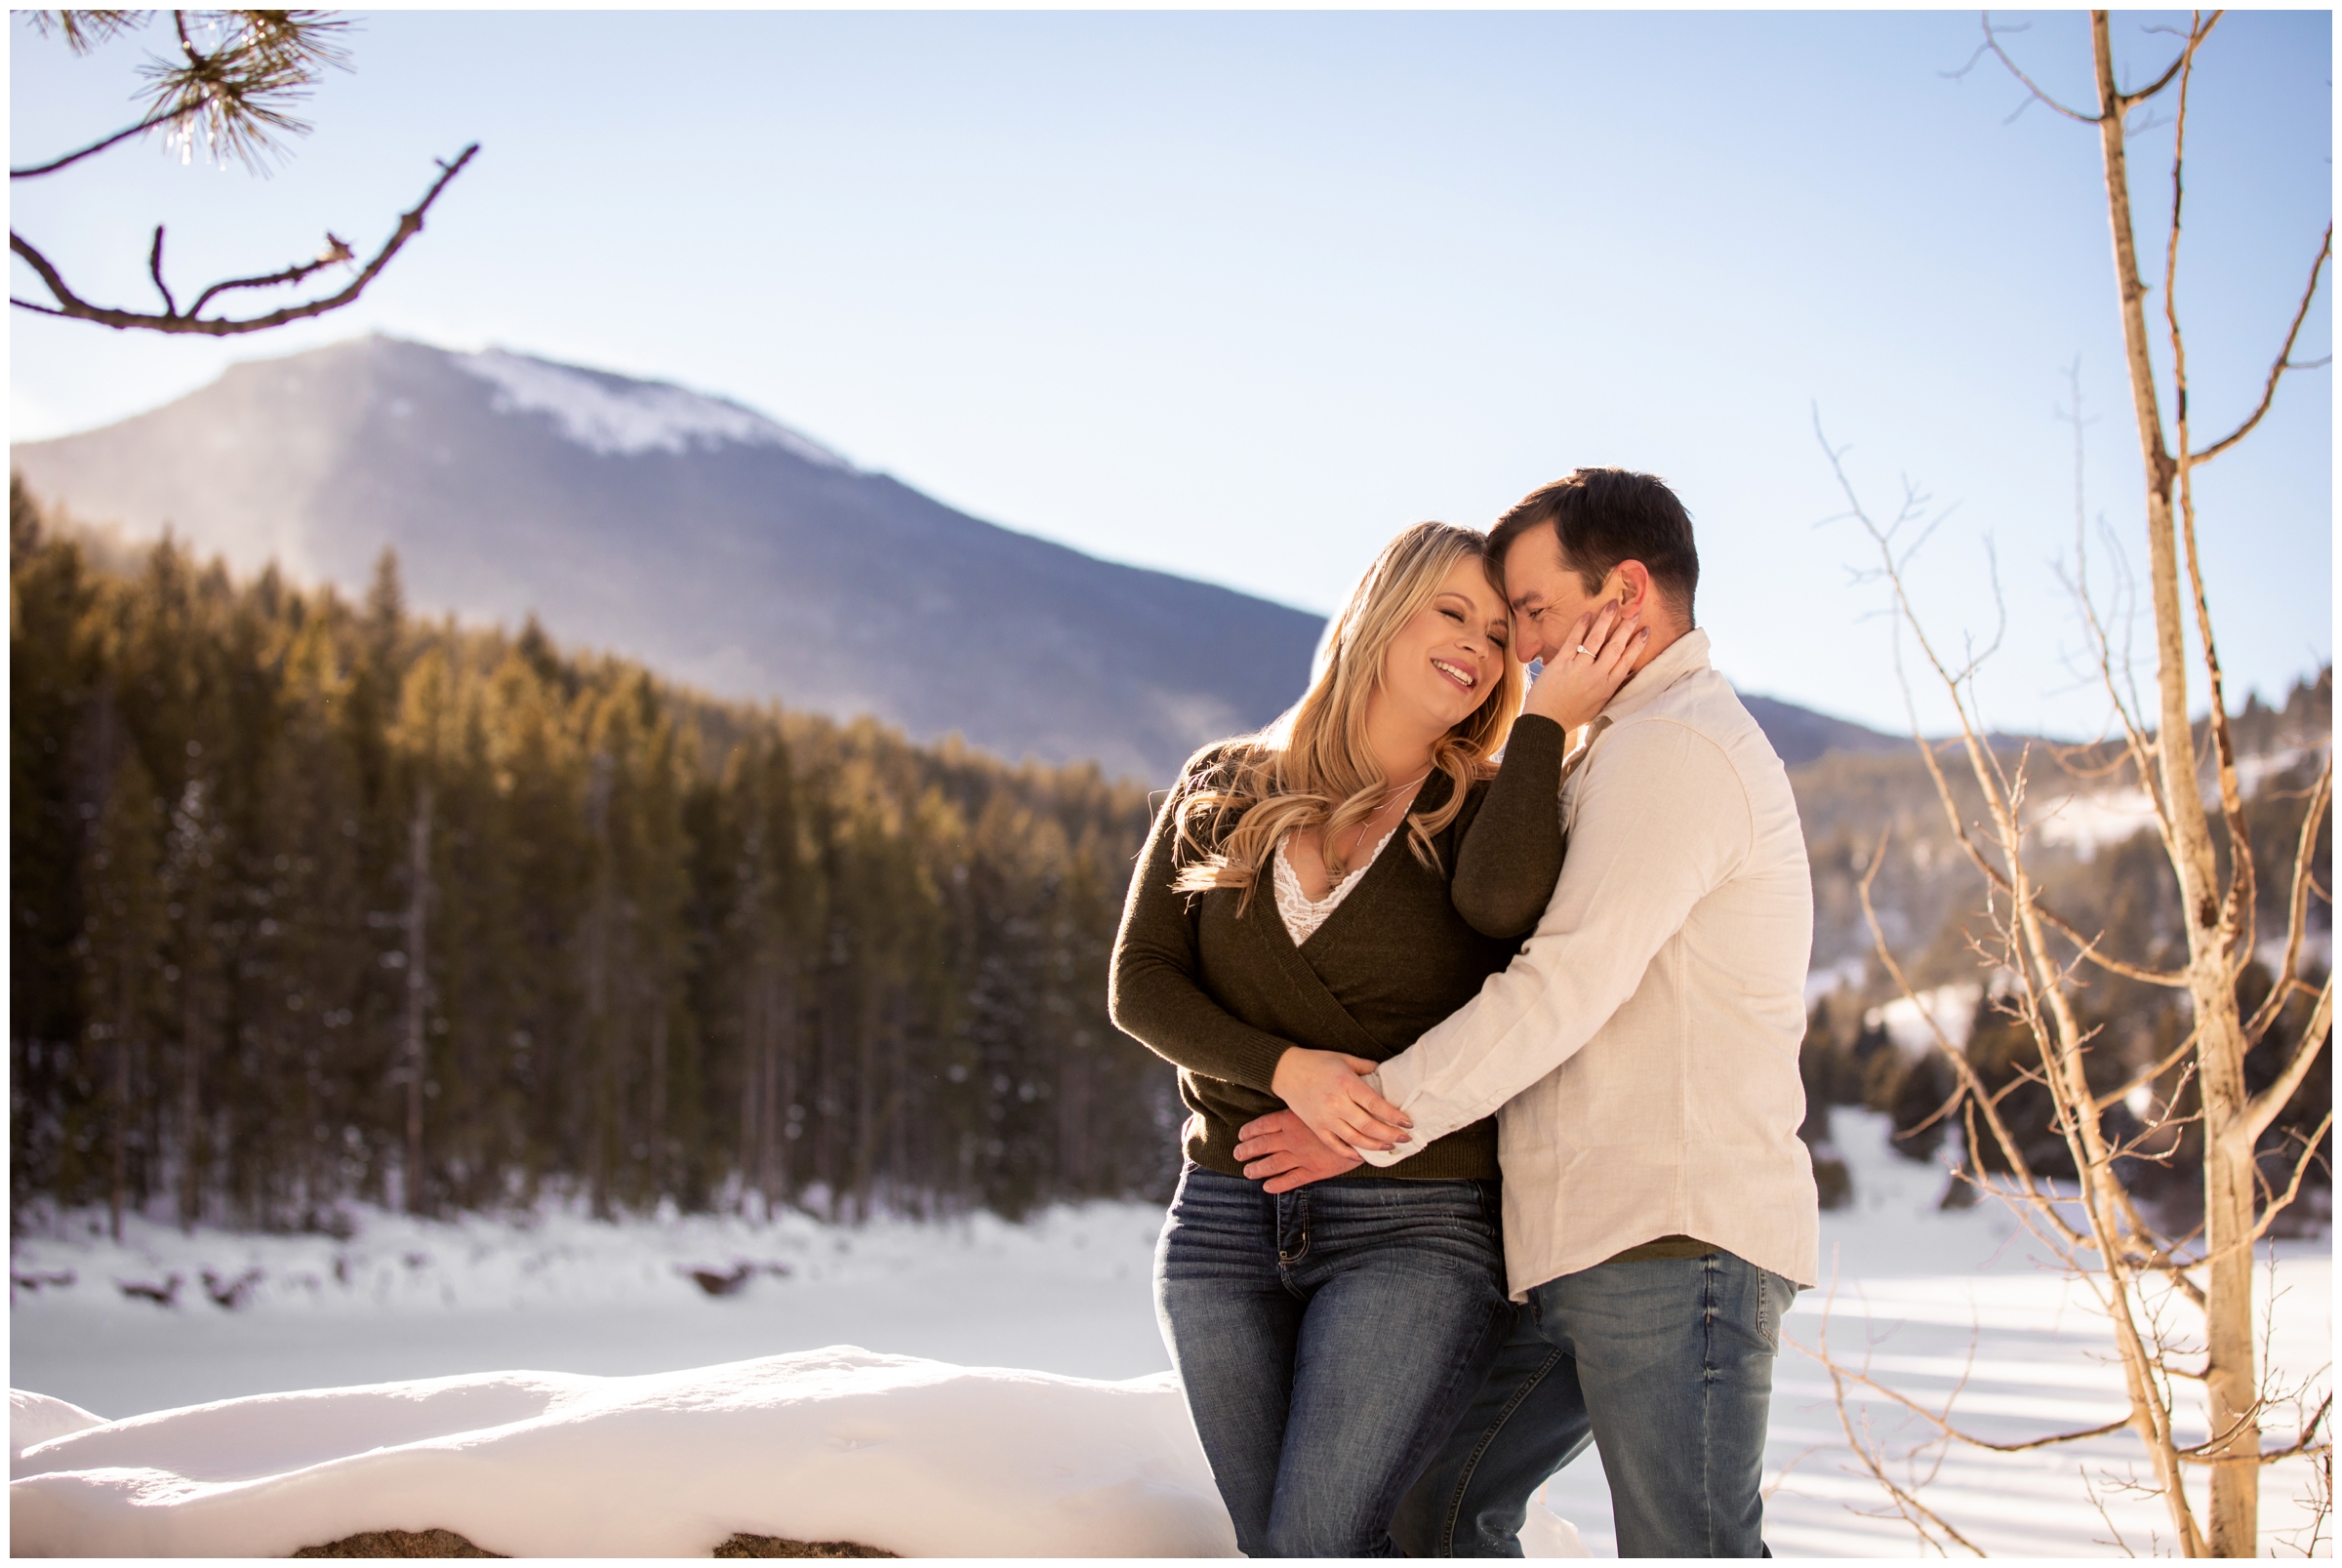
{"x": 1511, "y": 856}
{"x": 1154, "y": 993}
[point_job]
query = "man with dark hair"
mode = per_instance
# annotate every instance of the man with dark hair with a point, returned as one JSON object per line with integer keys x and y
{"x": 1642, "y": 1056}
{"x": 1602, "y": 516}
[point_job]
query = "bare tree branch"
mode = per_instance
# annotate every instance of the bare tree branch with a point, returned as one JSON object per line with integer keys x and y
{"x": 2126, "y": 99}
{"x": 2305, "y": 855}
{"x": 1992, "y": 46}
{"x": 410, "y": 224}
{"x": 2307, "y": 1442}
{"x": 2284, "y": 356}
{"x": 1945, "y": 1427}
{"x": 2279, "y": 1202}
{"x": 1915, "y": 1513}
{"x": 1959, "y": 833}
{"x": 2263, "y": 1107}
{"x": 336, "y": 250}
{"x": 2147, "y": 1076}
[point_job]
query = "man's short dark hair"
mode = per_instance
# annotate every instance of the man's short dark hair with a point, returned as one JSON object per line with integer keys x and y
{"x": 1603, "y": 516}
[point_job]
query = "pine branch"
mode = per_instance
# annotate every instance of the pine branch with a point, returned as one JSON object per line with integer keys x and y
{"x": 95, "y": 147}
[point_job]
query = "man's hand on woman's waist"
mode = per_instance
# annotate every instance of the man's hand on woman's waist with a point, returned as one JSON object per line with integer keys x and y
{"x": 1280, "y": 1152}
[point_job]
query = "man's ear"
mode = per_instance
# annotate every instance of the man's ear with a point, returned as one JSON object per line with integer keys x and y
{"x": 1630, "y": 586}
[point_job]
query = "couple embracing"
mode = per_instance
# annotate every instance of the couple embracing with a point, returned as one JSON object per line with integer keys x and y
{"x": 1492, "y": 1065}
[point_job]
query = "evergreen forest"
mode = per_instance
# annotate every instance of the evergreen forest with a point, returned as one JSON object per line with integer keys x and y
{"x": 318, "y": 901}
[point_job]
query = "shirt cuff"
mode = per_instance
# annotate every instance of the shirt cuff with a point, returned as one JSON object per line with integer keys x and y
{"x": 1376, "y": 1156}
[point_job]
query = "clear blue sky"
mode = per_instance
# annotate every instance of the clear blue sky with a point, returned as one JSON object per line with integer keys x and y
{"x": 1238, "y": 296}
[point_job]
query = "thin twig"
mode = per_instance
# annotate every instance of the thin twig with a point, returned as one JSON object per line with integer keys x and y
{"x": 2263, "y": 1107}
{"x": 2305, "y": 855}
{"x": 2284, "y": 356}
{"x": 1992, "y": 46}
{"x": 158, "y": 117}
{"x": 1945, "y": 1427}
{"x": 154, "y": 268}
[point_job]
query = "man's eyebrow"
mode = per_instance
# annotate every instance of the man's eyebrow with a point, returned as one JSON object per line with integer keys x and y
{"x": 1521, "y": 604}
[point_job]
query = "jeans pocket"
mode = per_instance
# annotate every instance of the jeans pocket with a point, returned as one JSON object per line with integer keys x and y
{"x": 1773, "y": 1296}
{"x": 1492, "y": 1202}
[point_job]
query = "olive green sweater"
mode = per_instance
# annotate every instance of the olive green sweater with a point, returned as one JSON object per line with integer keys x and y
{"x": 1222, "y": 994}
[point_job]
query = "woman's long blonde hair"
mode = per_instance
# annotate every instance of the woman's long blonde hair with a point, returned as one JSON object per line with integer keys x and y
{"x": 1312, "y": 767}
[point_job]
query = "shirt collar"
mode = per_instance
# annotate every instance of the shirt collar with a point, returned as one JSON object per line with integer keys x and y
{"x": 1686, "y": 656}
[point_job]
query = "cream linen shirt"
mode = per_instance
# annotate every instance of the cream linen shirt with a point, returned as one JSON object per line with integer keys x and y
{"x": 1641, "y": 1053}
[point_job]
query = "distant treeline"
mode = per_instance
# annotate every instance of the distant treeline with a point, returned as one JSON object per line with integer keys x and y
{"x": 314, "y": 901}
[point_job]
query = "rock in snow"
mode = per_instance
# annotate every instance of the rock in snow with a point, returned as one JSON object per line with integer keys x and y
{"x": 917, "y": 1457}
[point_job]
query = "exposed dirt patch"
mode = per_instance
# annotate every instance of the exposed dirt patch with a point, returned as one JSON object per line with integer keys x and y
{"x": 398, "y": 1543}
{"x": 448, "y": 1544}
{"x": 775, "y": 1546}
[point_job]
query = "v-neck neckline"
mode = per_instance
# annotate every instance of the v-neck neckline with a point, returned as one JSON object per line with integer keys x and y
{"x": 1366, "y": 880}
{"x": 1351, "y": 879}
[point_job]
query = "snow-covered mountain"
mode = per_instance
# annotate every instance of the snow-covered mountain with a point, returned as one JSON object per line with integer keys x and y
{"x": 720, "y": 547}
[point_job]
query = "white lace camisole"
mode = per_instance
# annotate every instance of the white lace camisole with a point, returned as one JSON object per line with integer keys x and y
{"x": 1302, "y": 917}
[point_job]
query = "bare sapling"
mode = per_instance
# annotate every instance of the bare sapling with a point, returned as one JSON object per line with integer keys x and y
{"x": 2181, "y": 1307}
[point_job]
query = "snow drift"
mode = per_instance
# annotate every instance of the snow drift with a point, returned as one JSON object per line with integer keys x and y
{"x": 919, "y": 1457}
{"x": 35, "y": 1417}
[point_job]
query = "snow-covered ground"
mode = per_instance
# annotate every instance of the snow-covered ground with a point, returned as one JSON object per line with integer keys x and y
{"x": 1066, "y": 1295}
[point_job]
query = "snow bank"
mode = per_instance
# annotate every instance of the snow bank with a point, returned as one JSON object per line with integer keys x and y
{"x": 917, "y": 1457}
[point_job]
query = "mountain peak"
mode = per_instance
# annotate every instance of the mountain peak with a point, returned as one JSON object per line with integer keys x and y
{"x": 687, "y": 531}
{"x": 618, "y": 415}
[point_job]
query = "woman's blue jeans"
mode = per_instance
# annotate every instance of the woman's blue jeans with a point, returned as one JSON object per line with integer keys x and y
{"x": 1328, "y": 1339}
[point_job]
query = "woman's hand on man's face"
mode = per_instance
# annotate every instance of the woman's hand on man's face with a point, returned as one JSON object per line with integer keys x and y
{"x": 1328, "y": 1091}
{"x": 1575, "y": 687}
{"x": 1280, "y": 1152}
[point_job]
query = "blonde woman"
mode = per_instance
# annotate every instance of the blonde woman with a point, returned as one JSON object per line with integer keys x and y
{"x": 1311, "y": 900}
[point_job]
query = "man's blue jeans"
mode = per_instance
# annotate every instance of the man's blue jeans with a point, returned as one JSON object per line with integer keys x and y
{"x": 1665, "y": 1364}
{"x": 1328, "y": 1340}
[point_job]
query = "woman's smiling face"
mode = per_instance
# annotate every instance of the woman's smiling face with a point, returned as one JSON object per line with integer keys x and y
{"x": 1444, "y": 662}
